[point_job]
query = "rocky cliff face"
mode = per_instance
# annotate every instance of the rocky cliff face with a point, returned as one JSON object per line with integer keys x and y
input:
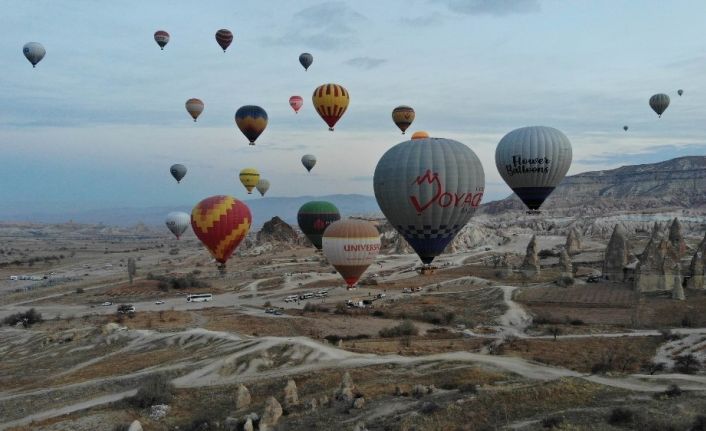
{"x": 276, "y": 230}
{"x": 676, "y": 183}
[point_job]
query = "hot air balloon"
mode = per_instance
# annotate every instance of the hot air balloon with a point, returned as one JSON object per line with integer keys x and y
{"x": 403, "y": 117}
{"x": 34, "y": 52}
{"x": 625, "y": 128}
{"x": 330, "y": 101}
{"x": 177, "y": 222}
{"x": 306, "y": 59}
{"x": 178, "y": 171}
{"x": 262, "y": 186}
{"x": 314, "y": 217}
{"x": 221, "y": 223}
{"x": 194, "y": 107}
{"x": 296, "y": 102}
{"x": 680, "y": 92}
{"x": 162, "y": 38}
{"x": 224, "y": 37}
{"x": 309, "y": 161}
{"x": 659, "y": 103}
{"x": 428, "y": 189}
{"x": 533, "y": 161}
{"x": 249, "y": 178}
{"x": 251, "y": 120}
{"x": 351, "y": 246}
{"x": 420, "y": 134}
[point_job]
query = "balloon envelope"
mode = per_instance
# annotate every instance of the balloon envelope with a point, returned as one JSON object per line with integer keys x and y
{"x": 533, "y": 161}
{"x": 306, "y": 59}
{"x": 252, "y": 121}
{"x": 224, "y": 37}
{"x": 331, "y": 102}
{"x": 177, "y": 222}
{"x": 428, "y": 189}
{"x": 625, "y": 128}
{"x": 194, "y": 107}
{"x": 249, "y": 177}
{"x": 403, "y": 117}
{"x": 680, "y": 92}
{"x": 296, "y": 102}
{"x": 309, "y": 161}
{"x": 314, "y": 217}
{"x": 262, "y": 186}
{"x": 659, "y": 103}
{"x": 34, "y": 52}
{"x": 178, "y": 171}
{"x": 221, "y": 223}
{"x": 351, "y": 246}
{"x": 162, "y": 38}
{"x": 420, "y": 134}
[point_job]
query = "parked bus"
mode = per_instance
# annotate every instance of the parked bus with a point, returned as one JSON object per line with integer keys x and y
{"x": 199, "y": 297}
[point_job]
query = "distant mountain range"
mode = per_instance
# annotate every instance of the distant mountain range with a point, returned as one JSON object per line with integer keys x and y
{"x": 675, "y": 183}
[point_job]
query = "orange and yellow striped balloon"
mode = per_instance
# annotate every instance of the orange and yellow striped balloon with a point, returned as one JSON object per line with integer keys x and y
{"x": 331, "y": 102}
{"x": 221, "y": 223}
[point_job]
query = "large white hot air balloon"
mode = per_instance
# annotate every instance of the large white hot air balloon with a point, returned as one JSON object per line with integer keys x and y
{"x": 533, "y": 161}
{"x": 262, "y": 186}
{"x": 34, "y": 52}
{"x": 351, "y": 246}
{"x": 177, "y": 222}
{"x": 428, "y": 189}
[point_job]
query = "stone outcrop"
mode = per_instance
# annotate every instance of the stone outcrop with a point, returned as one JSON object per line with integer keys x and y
{"x": 271, "y": 415}
{"x": 573, "y": 243}
{"x": 135, "y": 426}
{"x": 242, "y": 397}
{"x": 291, "y": 396}
{"x": 566, "y": 278}
{"x": 530, "y": 266}
{"x": 697, "y": 268}
{"x": 159, "y": 411}
{"x": 276, "y": 230}
{"x": 345, "y": 392}
{"x": 678, "y": 292}
{"x": 617, "y": 255}
{"x": 676, "y": 239}
{"x": 248, "y": 425}
{"x": 658, "y": 268}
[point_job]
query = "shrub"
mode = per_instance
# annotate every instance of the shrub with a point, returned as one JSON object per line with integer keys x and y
{"x": 313, "y": 308}
{"x": 405, "y": 328}
{"x": 28, "y": 318}
{"x": 576, "y": 322}
{"x": 552, "y": 422}
{"x": 673, "y": 391}
{"x": 157, "y": 389}
{"x": 687, "y": 364}
{"x": 378, "y": 313}
{"x": 79, "y": 290}
{"x": 429, "y": 407}
{"x": 121, "y": 427}
{"x": 699, "y": 423}
{"x": 621, "y": 416}
{"x": 468, "y": 388}
{"x": 686, "y": 322}
{"x": 267, "y": 304}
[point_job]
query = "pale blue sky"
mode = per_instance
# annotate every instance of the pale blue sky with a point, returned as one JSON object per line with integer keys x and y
{"x": 102, "y": 118}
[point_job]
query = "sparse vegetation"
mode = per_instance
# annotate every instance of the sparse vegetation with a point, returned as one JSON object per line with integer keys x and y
{"x": 552, "y": 422}
{"x": 405, "y": 328}
{"x": 188, "y": 281}
{"x": 687, "y": 364}
{"x": 621, "y": 416}
{"x": 157, "y": 389}
{"x": 27, "y": 319}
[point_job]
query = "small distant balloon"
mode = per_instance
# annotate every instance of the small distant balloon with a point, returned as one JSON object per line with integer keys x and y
{"x": 249, "y": 177}
{"x": 224, "y": 37}
{"x": 309, "y": 161}
{"x": 680, "y": 92}
{"x": 177, "y": 223}
{"x": 659, "y": 103}
{"x": 194, "y": 107}
{"x": 296, "y": 102}
{"x": 403, "y": 117}
{"x": 625, "y": 128}
{"x": 252, "y": 121}
{"x": 178, "y": 171}
{"x": 420, "y": 134}
{"x": 331, "y": 102}
{"x": 306, "y": 59}
{"x": 262, "y": 186}
{"x": 162, "y": 38}
{"x": 34, "y": 52}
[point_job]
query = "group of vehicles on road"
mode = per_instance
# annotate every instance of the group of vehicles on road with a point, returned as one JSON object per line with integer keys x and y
{"x": 275, "y": 311}
{"x": 307, "y": 295}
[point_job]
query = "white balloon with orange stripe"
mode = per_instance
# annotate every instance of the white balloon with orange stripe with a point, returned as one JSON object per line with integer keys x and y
{"x": 351, "y": 246}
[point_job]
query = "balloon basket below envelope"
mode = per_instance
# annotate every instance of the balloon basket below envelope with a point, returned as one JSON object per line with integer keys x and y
{"x": 427, "y": 269}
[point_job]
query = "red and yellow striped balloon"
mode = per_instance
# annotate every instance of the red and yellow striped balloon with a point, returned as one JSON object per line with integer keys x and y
{"x": 221, "y": 223}
{"x": 331, "y": 102}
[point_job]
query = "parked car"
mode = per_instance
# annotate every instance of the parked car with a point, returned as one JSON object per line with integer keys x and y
{"x": 159, "y": 302}
{"x": 593, "y": 279}
{"x": 269, "y": 310}
{"x": 107, "y": 304}
{"x": 277, "y": 313}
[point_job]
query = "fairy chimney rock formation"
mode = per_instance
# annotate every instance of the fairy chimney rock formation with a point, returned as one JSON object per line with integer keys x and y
{"x": 573, "y": 243}
{"x": 676, "y": 239}
{"x": 242, "y": 397}
{"x": 617, "y": 255}
{"x": 659, "y": 267}
{"x": 291, "y": 396}
{"x": 530, "y": 266}
{"x": 271, "y": 415}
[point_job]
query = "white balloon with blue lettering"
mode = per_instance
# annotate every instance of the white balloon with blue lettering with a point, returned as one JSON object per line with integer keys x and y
{"x": 428, "y": 189}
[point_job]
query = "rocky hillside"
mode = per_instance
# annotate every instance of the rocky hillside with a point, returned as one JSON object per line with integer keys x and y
{"x": 676, "y": 183}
